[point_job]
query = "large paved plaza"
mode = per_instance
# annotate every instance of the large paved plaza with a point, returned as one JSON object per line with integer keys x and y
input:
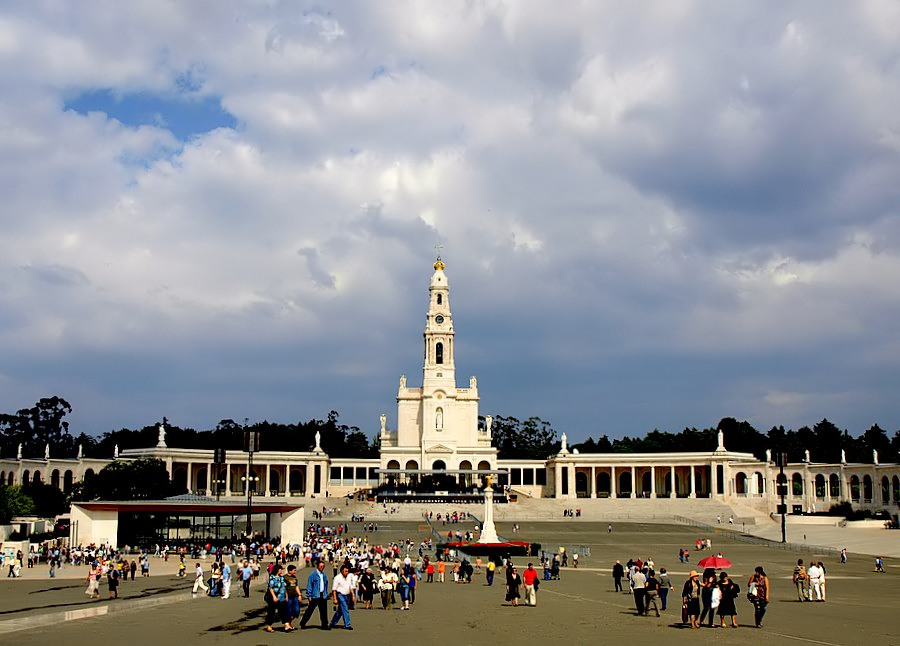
{"x": 580, "y": 608}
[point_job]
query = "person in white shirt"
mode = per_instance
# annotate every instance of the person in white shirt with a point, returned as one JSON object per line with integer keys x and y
{"x": 815, "y": 581}
{"x": 342, "y": 592}
{"x": 198, "y": 581}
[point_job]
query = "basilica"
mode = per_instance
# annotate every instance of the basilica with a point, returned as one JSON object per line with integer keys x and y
{"x": 439, "y": 449}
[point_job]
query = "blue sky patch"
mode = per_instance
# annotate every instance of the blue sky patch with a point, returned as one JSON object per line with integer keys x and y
{"x": 184, "y": 116}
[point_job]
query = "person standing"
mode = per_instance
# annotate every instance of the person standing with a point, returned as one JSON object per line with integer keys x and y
{"x": 815, "y": 581}
{"x": 489, "y": 572}
{"x": 226, "y": 580}
{"x": 843, "y": 555}
{"x": 758, "y": 592}
{"x": 367, "y": 588}
{"x": 727, "y": 607}
{"x": 530, "y": 579}
{"x": 690, "y": 597}
{"x": 639, "y": 590}
{"x": 93, "y": 581}
{"x": 822, "y": 579}
{"x": 665, "y": 584}
{"x": 706, "y": 595}
{"x": 317, "y": 595}
{"x": 112, "y": 580}
{"x": 618, "y": 572}
{"x": 343, "y": 595}
{"x": 800, "y": 580}
{"x": 246, "y": 572}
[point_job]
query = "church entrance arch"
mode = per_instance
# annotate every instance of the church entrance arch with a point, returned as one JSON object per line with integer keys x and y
{"x": 581, "y": 485}
{"x": 603, "y": 482}
{"x": 625, "y": 485}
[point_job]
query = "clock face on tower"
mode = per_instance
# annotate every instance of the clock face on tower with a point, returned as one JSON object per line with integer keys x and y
{"x": 438, "y": 319}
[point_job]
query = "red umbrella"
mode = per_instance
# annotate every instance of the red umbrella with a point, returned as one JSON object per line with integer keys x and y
{"x": 716, "y": 562}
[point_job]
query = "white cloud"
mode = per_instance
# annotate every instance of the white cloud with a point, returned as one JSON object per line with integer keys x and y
{"x": 689, "y": 206}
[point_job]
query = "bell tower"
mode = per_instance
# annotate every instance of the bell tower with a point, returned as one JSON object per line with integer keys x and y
{"x": 439, "y": 370}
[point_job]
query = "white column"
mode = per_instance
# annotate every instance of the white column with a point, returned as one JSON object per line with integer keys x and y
{"x": 227, "y": 479}
{"x": 672, "y": 493}
{"x": 652, "y": 481}
{"x": 593, "y": 482}
{"x": 693, "y": 493}
{"x": 633, "y": 484}
{"x": 713, "y": 479}
{"x": 190, "y": 476}
{"x": 557, "y": 480}
{"x": 268, "y": 480}
{"x": 571, "y": 472}
{"x": 309, "y": 479}
{"x": 613, "y": 485}
{"x": 209, "y": 470}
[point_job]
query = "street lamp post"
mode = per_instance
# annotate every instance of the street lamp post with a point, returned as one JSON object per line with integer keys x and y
{"x": 251, "y": 445}
{"x": 781, "y": 461}
{"x": 218, "y": 461}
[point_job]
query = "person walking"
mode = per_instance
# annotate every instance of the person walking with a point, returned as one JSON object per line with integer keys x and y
{"x": 708, "y": 584}
{"x": 276, "y": 600}
{"x": 513, "y": 582}
{"x": 618, "y": 573}
{"x": 343, "y": 595}
{"x": 651, "y": 593}
{"x": 758, "y": 593}
{"x": 198, "y": 580}
{"x": 293, "y": 594}
{"x": 317, "y": 595}
{"x": 530, "y": 578}
{"x": 225, "y": 572}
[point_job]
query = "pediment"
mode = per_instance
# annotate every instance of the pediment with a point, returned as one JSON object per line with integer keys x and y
{"x": 439, "y": 448}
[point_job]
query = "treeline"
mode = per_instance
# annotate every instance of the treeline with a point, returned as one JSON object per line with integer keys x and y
{"x": 43, "y": 424}
{"x": 533, "y": 438}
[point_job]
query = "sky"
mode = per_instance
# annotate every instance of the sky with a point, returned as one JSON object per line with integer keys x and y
{"x": 653, "y": 214}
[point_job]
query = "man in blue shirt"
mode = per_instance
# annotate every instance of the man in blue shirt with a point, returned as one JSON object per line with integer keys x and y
{"x": 246, "y": 575}
{"x": 317, "y": 595}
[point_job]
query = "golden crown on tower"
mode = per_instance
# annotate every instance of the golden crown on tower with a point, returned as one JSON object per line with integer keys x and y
{"x": 439, "y": 264}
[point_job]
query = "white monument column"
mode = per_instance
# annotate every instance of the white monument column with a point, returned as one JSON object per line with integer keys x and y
{"x": 227, "y": 479}
{"x": 633, "y": 484}
{"x": 613, "y": 485}
{"x": 672, "y": 493}
{"x": 593, "y": 482}
{"x": 693, "y": 493}
{"x": 652, "y": 481}
{"x": 488, "y": 531}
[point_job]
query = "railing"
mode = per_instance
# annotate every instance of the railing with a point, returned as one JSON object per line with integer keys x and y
{"x": 757, "y": 540}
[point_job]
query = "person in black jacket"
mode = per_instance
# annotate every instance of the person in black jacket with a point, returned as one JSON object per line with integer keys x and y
{"x": 618, "y": 572}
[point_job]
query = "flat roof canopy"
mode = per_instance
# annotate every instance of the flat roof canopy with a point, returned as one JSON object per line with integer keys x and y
{"x": 188, "y": 507}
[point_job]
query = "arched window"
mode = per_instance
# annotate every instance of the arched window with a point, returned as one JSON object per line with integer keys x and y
{"x": 885, "y": 489}
{"x": 834, "y": 485}
{"x": 439, "y": 352}
{"x": 440, "y": 299}
{"x": 760, "y": 484}
{"x": 439, "y": 419}
{"x": 820, "y": 486}
{"x": 867, "y": 488}
{"x": 67, "y": 481}
{"x": 740, "y": 484}
{"x": 36, "y": 478}
{"x": 896, "y": 487}
{"x": 797, "y": 485}
{"x": 26, "y": 477}
{"x": 54, "y": 478}
{"x": 854, "y": 488}
{"x": 439, "y": 465}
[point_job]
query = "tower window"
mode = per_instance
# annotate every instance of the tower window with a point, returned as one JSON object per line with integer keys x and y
{"x": 440, "y": 299}
{"x": 439, "y": 353}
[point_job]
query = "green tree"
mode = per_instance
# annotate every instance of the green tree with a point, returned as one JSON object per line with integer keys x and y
{"x": 14, "y": 502}
{"x": 533, "y": 439}
{"x": 143, "y": 479}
